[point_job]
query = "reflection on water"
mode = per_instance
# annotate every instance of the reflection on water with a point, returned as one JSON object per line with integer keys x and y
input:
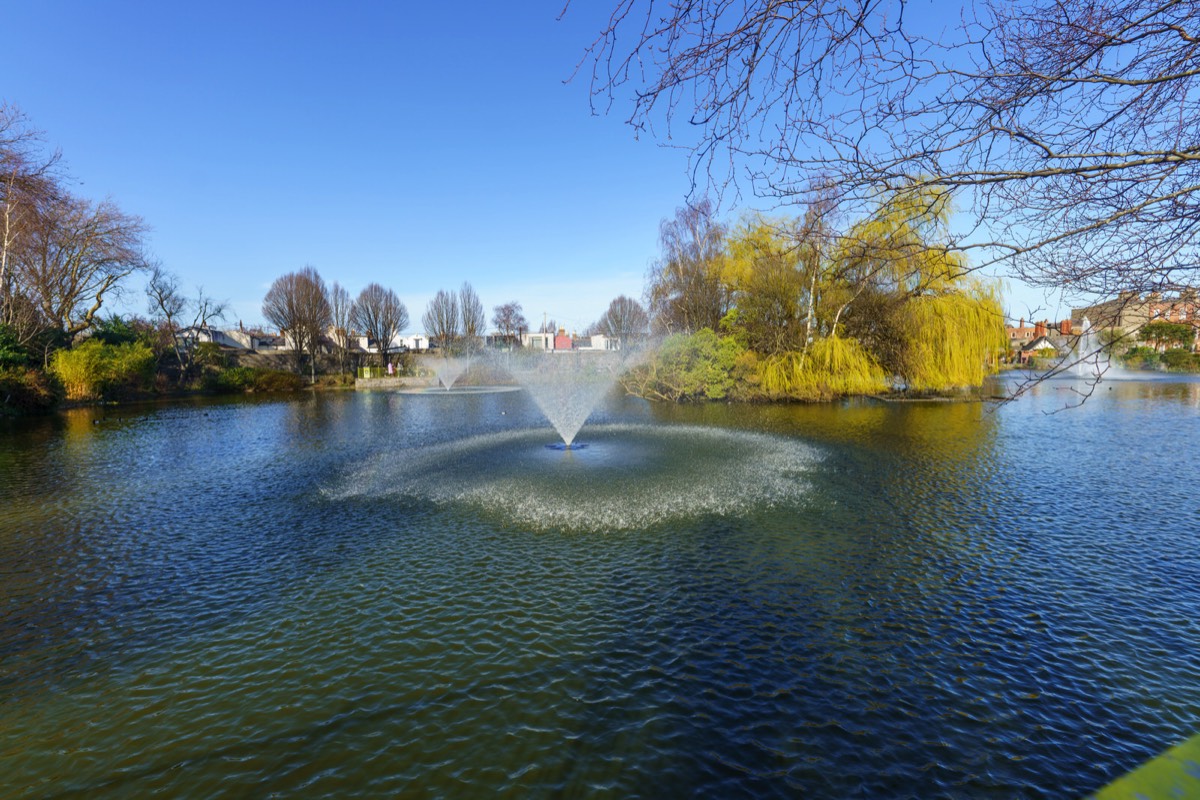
{"x": 381, "y": 594}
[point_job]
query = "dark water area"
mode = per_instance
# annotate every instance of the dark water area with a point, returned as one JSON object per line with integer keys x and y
{"x": 375, "y": 595}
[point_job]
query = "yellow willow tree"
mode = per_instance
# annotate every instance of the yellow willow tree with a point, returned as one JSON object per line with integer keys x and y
{"x": 831, "y": 366}
{"x": 953, "y": 337}
{"x": 763, "y": 270}
{"x": 911, "y": 300}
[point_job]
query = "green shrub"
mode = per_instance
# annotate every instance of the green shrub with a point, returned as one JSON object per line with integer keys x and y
{"x": 209, "y": 354}
{"x": 1180, "y": 359}
{"x": 12, "y": 354}
{"x": 274, "y": 380}
{"x": 688, "y": 367}
{"x": 114, "y": 330}
{"x": 255, "y": 379}
{"x": 26, "y": 390}
{"x": 1141, "y": 357}
{"x": 94, "y": 370}
{"x": 234, "y": 379}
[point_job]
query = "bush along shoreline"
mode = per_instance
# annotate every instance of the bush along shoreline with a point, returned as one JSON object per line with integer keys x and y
{"x": 107, "y": 369}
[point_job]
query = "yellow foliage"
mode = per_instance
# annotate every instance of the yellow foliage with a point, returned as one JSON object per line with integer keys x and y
{"x": 758, "y": 237}
{"x": 831, "y": 367}
{"x": 953, "y": 338}
{"x": 92, "y": 369}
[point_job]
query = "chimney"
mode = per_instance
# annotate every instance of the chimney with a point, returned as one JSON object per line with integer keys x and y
{"x": 1064, "y": 327}
{"x": 1021, "y": 324}
{"x": 1039, "y": 329}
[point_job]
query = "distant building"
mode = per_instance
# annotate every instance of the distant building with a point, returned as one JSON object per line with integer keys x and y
{"x": 538, "y": 341}
{"x": 1021, "y": 336}
{"x": 1041, "y": 347}
{"x": 235, "y": 339}
{"x": 1131, "y": 311}
{"x": 561, "y": 342}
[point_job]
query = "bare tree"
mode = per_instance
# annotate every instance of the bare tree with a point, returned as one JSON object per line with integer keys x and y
{"x": 180, "y": 315}
{"x": 339, "y": 313}
{"x": 1066, "y": 131}
{"x": 26, "y": 183}
{"x": 441, "y": 320}
{"x": 510, "y": 321}
{"x": 298, "y": 305}
{"x": 72, "y": 256}
{"x": 474, "y": 323}
{"x": 625, "y": 320}
{"x": 380, "y": 315}
{"x": 685, "y": 288}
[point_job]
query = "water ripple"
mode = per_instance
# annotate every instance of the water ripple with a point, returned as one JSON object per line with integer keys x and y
{"x": 859, "y": 601}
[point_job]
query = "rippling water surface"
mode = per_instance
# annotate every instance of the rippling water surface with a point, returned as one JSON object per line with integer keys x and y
{"x": 381, "y": 594}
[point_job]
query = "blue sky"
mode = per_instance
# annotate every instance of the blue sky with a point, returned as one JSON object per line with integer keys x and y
{"x": 414, "y": 145}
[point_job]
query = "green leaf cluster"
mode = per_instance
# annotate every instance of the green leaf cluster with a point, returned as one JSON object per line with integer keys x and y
{"x": 689, "y": 367}
{"x": 12, "y": 354}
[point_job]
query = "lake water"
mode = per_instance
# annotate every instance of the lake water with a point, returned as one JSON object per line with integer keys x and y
{"x": 375, "y": 595}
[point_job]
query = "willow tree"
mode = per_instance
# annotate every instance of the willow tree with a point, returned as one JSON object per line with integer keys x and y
{"x": 830, "y": 367}
{"x": 771, "y": 293}
{"x": 910, "y": 298}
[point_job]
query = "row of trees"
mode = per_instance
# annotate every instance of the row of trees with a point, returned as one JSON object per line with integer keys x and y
{"x": 310, "y": 313}
{"x": 456, "y": 322}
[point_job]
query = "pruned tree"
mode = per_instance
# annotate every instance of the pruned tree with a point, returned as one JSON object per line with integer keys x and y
{"x": 1067, "y": 132}
{"x": 625, "y": 320}
{"x": 339, "y": 314}
{"x": 380, "y": 315}
{"x": 441, "y": 320}
{"x": 685, "y": 290}
{"x": 474, "y": 323}
{"x": 297, "y": 304}
{"x": 510, "y": 321}
{"x": 181, "y": 316}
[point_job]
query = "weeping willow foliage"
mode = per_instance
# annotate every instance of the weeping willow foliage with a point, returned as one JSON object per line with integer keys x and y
{"x": 952, "y": 338}
{"x": 832, "y": 366}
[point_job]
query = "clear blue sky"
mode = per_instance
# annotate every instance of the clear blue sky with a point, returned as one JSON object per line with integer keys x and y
{"x": 412, "y": 144}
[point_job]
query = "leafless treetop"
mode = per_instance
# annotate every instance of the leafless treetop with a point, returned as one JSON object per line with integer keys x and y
{"x": 1066, "y": 131}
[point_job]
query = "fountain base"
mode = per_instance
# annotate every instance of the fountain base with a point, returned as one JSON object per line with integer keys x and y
{"x": 565, "y": 446}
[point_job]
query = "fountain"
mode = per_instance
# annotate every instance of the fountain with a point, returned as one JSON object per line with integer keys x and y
{"x": 632, "y": 477}
{"x": 567, "y": 386}
{"x": 448, "y": 369}
{"x": 1088, "y": 359}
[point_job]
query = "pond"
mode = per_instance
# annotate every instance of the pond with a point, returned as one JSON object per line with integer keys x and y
{"x": 373, "y": 594}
